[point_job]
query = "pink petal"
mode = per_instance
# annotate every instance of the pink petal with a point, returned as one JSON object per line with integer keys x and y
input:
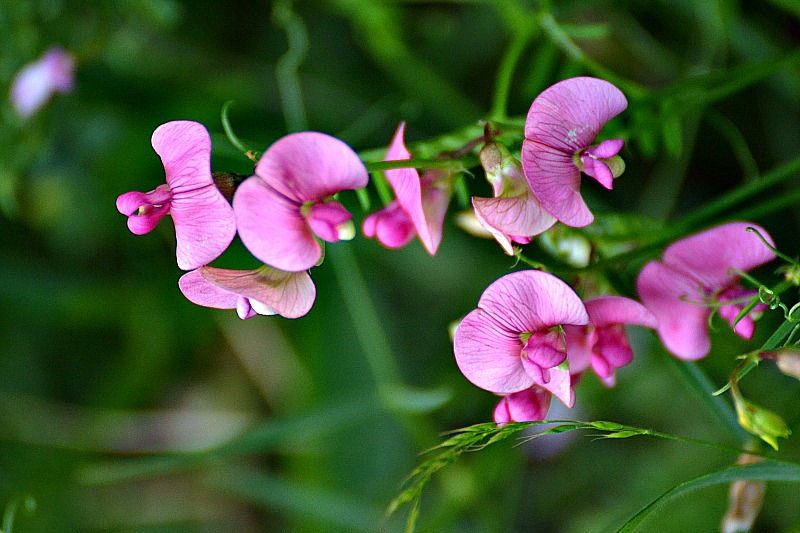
{"x": 185, "y": 150}
{"x": 609, "y": 310}
{"x": 145, "y": 210}
{"x": 579, "y": 348}
{"x": 683, "y": 327}
{"x": 435, "y": 200}
{"x": 709, "y": 255}
{"x": 598, "y": 170}
{"x": 531, "y": 300}
{"x": 520, "y": 216}
{"x": 606, "y": 149}
{"x": 310, "y": 166}
{"x": 559, "y": 382}
{"x": 489, "y": 355}
{"x": 568, "y": 115}
{"x": 204, "y": 226}
{"x": 524, "y": 406}
{"x": 555, "y": 181}
{"x": 326, "y": 220}
{"x": 391, "y": 226}
{"x": 290, "y": 294}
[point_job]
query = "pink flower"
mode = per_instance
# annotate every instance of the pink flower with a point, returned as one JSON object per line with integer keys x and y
{"x": 561, "y": 125}
{"x": 524, "y": 406}
{"x": 204, "y": 221}
{"x": 36, "y": 82}
{"x": 288, "y": 202}
{"x": 514, "y": 214}
{"x": 695, "y": 272}
{"x": 420, "y": 205}
{"x": 515, "y": 339}
{"x": 603, "y": 343}
{"x": 264, "y": 291}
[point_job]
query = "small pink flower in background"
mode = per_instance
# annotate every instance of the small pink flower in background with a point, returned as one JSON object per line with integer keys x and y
{"x": 287, "y": 203}
{"x": 37, "y": 82}
{"x": 562, "y": 123}
{"x": 204, "y": 220}
{"x": 264, "y": 291}
{"x": 524, "y": 406}
{"x": 603, "y": 344}
{"x": 515, "y": 339}
{"x": 514, "y": 214}
{"x": 420, "y": 206}
{"x": 695, "y": 271}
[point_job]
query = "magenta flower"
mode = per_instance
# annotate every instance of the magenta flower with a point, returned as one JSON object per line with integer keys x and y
{"x": 561, "y": 125}
{"x": 524, "y": 406}
{"x": 204, "y": 221}
{"x": 515, "y": 339}
{"x": 288, "y": 202}
{"x": 693, "y": 274}
{"x": 514, "y": 214}
{"x": 263, "y": 291}
{"x": 37, "y": 82}
{"x": 420, "y": 205}
{"x": 603, "y": 343}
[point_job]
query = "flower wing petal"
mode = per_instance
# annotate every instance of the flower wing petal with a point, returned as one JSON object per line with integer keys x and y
{"x": 204, "y": 226}
{"x": 185, "y": 150}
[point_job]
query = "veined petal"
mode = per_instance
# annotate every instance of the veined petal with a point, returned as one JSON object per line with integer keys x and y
{"x": 559, "y": 382}
{"x": 708, "y": 256}
{"x": 185, "y": 150}
{"x": 489, "y": 355}
{"x": 520, "y": 216}
{"x": 310, "y": 166}
{"x": 568, "y": 115}
{"x": 682, "y": 326}
{"x": 597, "y": 169}
{"x": 556, "y": 182}
{"x": 531, "y": 300}
{"x": 608, "y": 310}
{"x": 204, "y": 226}
{"x": 606, "y": 149}
{"x": 272, "y": 227}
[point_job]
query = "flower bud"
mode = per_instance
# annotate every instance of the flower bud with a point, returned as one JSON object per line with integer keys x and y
{"x": 760, "y": 421}
{"x": 572, "y": 248}
{"x": 787, "y": 360}
{"x": 745, "y": 499}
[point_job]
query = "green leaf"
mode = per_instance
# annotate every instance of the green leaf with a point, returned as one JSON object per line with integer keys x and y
{"x": 766, "y": 471}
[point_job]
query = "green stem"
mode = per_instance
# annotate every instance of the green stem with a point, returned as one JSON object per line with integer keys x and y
{"x": 287, "y": 78}
{"x": 505, "y": 74}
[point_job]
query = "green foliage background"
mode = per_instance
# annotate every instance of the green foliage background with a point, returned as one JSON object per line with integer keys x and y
{"x": 123, "y": 407}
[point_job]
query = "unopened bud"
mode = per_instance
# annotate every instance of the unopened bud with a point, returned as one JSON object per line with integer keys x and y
{"x": 745, "y": 499}
{"x": 765, "y": 424}
{"x": 787, "y": 360}
{"x": 503, "y": 170}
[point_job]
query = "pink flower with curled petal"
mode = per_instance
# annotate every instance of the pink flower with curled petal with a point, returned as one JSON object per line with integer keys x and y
{"x": 695, "y": 272}
{"x": 514, "y": 214}
{"x": 281, "y": 209}
{"x": 37, "y": 82}
{"x": 204, "y": 221}
{"x": 562, "y": 123}
{"x": 515, "y": 338}
{"x": 603, "y": 343}
{"x": 264, "y": 291}
{"x": 420, "y": 206}
{"x": 524, "y": 406}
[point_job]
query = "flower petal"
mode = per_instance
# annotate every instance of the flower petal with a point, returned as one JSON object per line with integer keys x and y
{"x": 708, "y": 256}
{"x": 185, "y": 150}
{"x": 310, "y": 166}
{"x": 391, "y": 226}
{"x": 204, "y": 226}
{"x": 520, "y": 216}
{"x": 556, "y": 182}
{"x": 609, "y": 310}
{"x": 531, "y": 300}
{"x": 523, "y": 406}
{"x": 568, "y": 115}
{"x": 682, "y": 326}
{"x": 559, "y": 382}
{"x": 489, "y": 355}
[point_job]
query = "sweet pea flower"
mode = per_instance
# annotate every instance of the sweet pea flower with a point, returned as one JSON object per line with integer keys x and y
{"x": 204, "y": 220}
{"x": 515, "y": 338}
{"x": 562, "y": 123}
{"x": 695, "y": 272}
{"x": 263, "y": 291}
{"x": 603, "y": 343}
{"x": 420, "y": 206}
{"x": 514, "y": 214}
{"x": 524, "y": 406}
{"x": 37, "y": 82}
{"x": 281, "y": 209}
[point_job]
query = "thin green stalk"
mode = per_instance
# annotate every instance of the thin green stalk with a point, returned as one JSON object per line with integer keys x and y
{"x": 287, "y": 78}
{"x": 505, "y": 74}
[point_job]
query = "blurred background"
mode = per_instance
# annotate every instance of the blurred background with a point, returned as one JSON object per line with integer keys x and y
{"x": 124, "y": 407}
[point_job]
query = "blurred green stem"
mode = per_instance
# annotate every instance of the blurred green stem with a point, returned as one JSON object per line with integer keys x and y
{"x": 523, "y": 33}
{"x": 286, "y": 69}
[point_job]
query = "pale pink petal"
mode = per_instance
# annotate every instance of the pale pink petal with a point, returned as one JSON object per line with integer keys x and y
{"x": 555, "y": 181}
{"x": 559, "y": 382}
{"x": 185, "y": 150}
{"x": 568, "y": 115}
{"x": 525, "y": 406}
{"x": 489, "y": 355}
{"x": 36, "y": 82}
{"x": 531, "y": 300}
{"x": 435, "y": 200}
{"x": 204, "y": 226}
{"x": 606, "y": 149}
{"x": 520, "y": 216}
{"x": 391, "y": 226}
{"x": 272, "y": 227}
{"x": 709, "y": 256}
{"x": 598, "y": 170}
{"x": 290, "y": 294}
{"x": 682, "y": 326}
{"x": 579, "y": 348}
{"x": 310, "y": 166}
{"x": 608, "y": 310}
